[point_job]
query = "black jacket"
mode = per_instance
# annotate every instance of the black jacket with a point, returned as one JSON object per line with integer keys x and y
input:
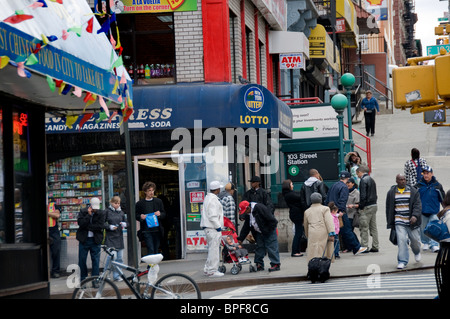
{"x": 295, "y": 204}
{"x": 261, "y": 196}
{"x": 94, "y": 223}
{"x": 146, "y": 207}
{"x": 415, "y": 207}
{"x": 367, "y": 191}
{"x": 267, "y": 223}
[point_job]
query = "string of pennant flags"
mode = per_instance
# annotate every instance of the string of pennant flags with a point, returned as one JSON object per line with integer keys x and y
{"x": 120, "y": 87}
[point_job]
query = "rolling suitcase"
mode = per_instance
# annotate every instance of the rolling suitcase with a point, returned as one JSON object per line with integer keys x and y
{"x": 319, "y": 268}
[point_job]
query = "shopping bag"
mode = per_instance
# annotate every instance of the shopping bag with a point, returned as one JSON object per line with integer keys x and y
{"x": 152, "y": 220}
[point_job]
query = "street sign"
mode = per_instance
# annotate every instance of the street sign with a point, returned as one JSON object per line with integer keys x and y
{"x": 434, "y": 49}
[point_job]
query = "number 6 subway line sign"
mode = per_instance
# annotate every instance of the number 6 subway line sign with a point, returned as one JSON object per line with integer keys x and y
{"x": 292, "y": 61}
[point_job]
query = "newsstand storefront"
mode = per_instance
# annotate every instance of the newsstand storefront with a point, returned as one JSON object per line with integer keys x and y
{"x": 44, "y": 68}
{"x": 181, "y": 137}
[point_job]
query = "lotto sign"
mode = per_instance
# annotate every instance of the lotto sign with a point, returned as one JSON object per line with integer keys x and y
{"x": 197, "y": 197}
{"x": 292, "y": 61}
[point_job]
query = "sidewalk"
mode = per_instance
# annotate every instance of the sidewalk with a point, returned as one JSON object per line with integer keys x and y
{"x": 395, "y": 135}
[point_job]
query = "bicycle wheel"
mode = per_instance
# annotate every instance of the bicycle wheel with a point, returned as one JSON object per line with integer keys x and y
{"x": 176, "y": 286}
{"x": 93, "y": 288}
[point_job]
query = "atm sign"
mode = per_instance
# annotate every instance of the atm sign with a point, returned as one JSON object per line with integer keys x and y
{"x": 292, "y": 61}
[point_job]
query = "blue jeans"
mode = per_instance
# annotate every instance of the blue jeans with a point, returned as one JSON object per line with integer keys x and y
{"x": 349, "y": 238}
{"x": 269, "y": 243}
{"x": 336, "y": 245}
{"x": 403, "y": 234}
{"x": 119, "y": 258}
{"x": 83, "y": 249}
{"x": 425, "y": 239}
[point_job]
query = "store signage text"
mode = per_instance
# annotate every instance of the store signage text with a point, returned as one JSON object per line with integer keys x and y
{"x": 292, "y": 61}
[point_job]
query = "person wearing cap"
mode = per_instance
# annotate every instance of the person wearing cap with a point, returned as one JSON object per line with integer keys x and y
{"x": 264, "y": 228}
{"x": 91, "y": 222}
{"x": 212, "y": 223}
{"x": 369, "y": 105}
{"x": 227, "y": 200}
{"x": 255, "y": 194}
{"x": 319, "y": 229}
{"x": 338, "y": 194}
{"x": 431, "y": 194}
{"x": 367, "y": 208}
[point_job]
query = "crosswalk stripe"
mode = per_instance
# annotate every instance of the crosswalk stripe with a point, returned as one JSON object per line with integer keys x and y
{"x": 388, "y": 286}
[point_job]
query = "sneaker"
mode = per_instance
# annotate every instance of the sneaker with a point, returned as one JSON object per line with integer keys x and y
{"x": 216, "y": 274}
{"x": 118, "y": 279}
{"x": 401, "y": 266}
{"x": 434, "y": 249}
{"x": 418, "y": 257}
{"x": 425, "y": 247}
{"x": 274, "y": 268}
{"x": 259, "y": 267}
{"x": 360, "y": 251}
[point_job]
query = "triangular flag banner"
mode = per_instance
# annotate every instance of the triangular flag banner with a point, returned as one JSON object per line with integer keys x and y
{"x": 57, "y": 1}
{"x": 61, "y": 87}
{"x": 38, "y": 48}
{"x": 51, "y": 83}
{"x": 59, "y": 83}
{"x": 113, "y": 42}
{"x": 31, "y": 59}
{"x": 105, "y": 27}
{"x": 87, "y": 97}
{"x": 70, "y": 120}
{"x": 103, "y": 105}
{"x": 44, "y": 5}
{"x": 3, "y": 61}
{"x": 128, "y": 113}
{"x": 117, "y": 63}
{"x": 123, "y": 79}
{"x": 112, "y": 115}
{"x": 21, "y": 69}
{"x": 90, "y": 25}
{"x": 17, "y": 18}
{"x": 118, "y": 45}
{"x": 116, "y": 85}
{"x": 102, "y": 116}
{"x": 66, "y": 89}
{"x": 77, "y": 91}
{"x": 65, "y": 35}
{"x": 36, "y": 4}
{"x": 85, "y": 118}
{"x": 76, "y": 29}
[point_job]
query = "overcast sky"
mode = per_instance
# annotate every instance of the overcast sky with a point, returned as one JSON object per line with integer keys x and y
{"x": 428, "y": 12}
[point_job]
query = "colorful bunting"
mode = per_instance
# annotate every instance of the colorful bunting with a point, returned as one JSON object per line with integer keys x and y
{"x": 70, "y": 120}
{"x": 36, "y": 4}
{"x": 90, "y": 25}
{"x": 65, "y": 35}
{"x": 77, "y": 91}
{"x": 102, "y": 116}
{"x": 84, "y": 119}
{"x": 31, "y": 60}
{"x": 76, "y": 29}
{"x": 17, "y": 18}
{"x": 51, "y": 83}
{"x": 3, "y": 61}
{"x": 105, "y": 26}
{"x": 103, "y": 105}
{"x": 43, "y": 2}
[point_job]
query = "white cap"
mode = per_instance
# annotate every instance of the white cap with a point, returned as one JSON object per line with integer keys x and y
{"x": 214, "y": 185}
{"x": 95, "y": 203}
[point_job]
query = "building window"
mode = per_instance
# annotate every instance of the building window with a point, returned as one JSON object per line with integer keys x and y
{"x": 233, "y": 41}
{"x": 248, "y": 41}
{"x": 148, "y": 42}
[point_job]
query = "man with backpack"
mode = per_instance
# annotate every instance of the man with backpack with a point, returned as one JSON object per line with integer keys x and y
{"x": 313, "y": 184}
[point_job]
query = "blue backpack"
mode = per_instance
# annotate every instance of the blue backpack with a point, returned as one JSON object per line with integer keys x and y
{"x": 437, "y": 230}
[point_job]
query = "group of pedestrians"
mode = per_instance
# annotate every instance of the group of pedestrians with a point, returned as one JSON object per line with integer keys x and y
{"x": 257, "y": 212}
{"x": 326, "y": 215}
{"x": 411, "y": 204}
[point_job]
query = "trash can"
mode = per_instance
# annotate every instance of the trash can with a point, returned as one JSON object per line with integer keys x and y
{"x": 442, "y": 270}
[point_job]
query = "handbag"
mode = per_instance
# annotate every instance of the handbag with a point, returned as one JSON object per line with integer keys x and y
{"x": 393, "y": 236}
{"x": 437, "y": 230}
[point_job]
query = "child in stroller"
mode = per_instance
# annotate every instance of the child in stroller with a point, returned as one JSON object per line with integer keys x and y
{"x": 232, "y": 252}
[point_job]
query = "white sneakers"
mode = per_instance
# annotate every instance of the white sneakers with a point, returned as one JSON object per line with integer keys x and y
{"x": 401, "y": 266}
{"x": 215, "y": 274}
{"x": 417, "y": 257}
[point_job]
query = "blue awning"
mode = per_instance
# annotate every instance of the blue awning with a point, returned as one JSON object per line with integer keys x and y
{"x": 220, "y": 105}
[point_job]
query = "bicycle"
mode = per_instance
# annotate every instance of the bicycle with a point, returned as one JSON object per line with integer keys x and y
{"x": 170, "y": 286}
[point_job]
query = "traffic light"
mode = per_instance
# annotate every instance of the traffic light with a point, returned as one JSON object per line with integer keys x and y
{"x": 414, "y": 86}
{"x": 442, "y": 71}
{"x": 439, "y": 30}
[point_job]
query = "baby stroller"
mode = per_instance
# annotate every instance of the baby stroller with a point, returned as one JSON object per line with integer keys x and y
{"x": 229, "y": 256}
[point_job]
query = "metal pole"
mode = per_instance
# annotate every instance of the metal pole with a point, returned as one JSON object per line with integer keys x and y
{"x": 131, "y": 213}
{"x": 349, "y": 115}
{"x": 340, "y": 118}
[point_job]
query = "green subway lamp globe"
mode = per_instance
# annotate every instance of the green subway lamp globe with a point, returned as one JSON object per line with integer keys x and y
{"x": 347, "y": 80}
{"x": 339, "y": 102}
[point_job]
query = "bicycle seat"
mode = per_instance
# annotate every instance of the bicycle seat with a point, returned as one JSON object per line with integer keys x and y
{"x": 152, "y": 259}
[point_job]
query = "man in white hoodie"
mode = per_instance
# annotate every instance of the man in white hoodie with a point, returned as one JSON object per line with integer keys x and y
{"x": 313, "y": 184}
{"x": 212, "y": 223}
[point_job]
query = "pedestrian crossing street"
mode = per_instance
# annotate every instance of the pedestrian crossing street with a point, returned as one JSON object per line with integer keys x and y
{"x": 386, "y": 286}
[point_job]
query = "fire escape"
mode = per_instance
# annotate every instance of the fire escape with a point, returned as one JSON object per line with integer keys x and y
{"x": 409, "y": 19}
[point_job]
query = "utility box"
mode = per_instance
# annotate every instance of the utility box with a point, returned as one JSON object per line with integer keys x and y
{"x": 442, "y": 66}
{"x": 414, "y": 86}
